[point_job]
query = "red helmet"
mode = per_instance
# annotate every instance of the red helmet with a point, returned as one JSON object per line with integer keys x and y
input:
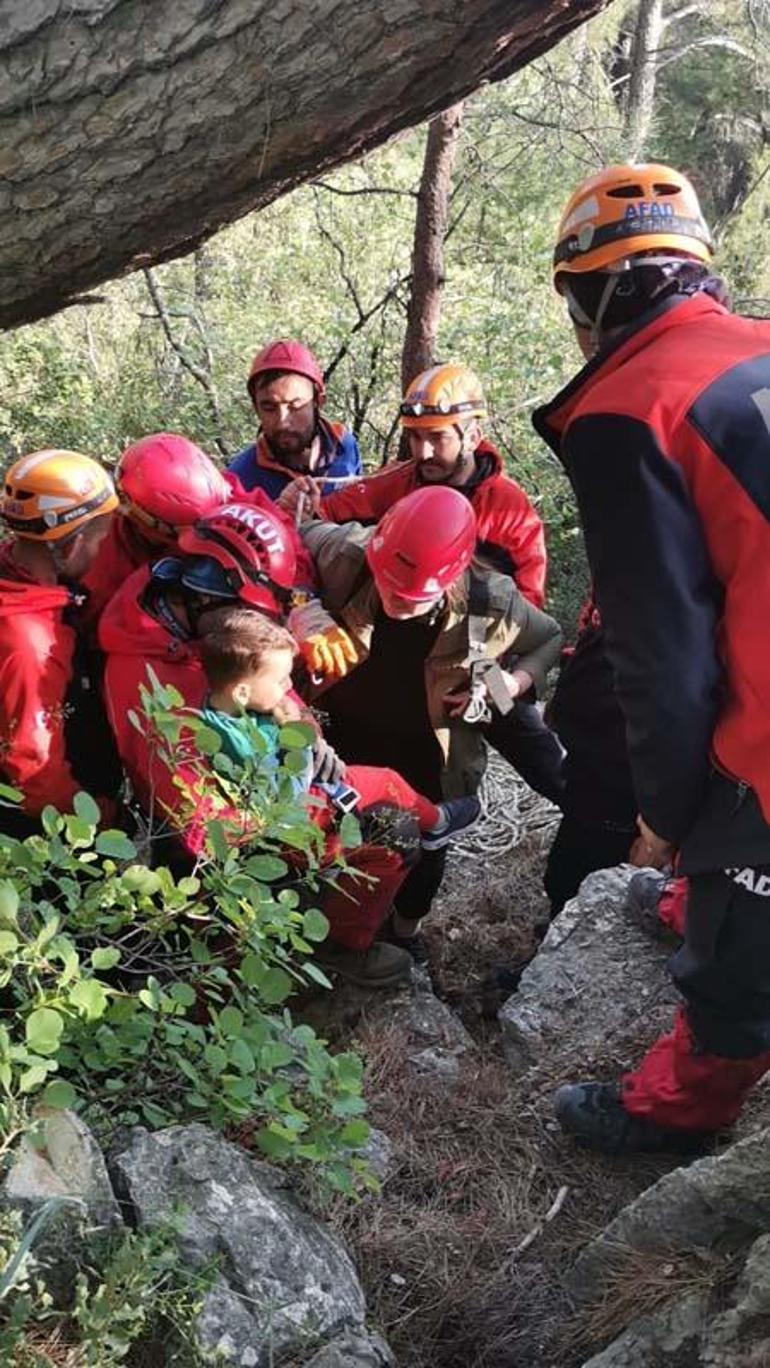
{"x": 166, "y": 482}
{"x": 253, "y": 546}
{"x": 423, "y": 543}
{"x": 286, "y": 355}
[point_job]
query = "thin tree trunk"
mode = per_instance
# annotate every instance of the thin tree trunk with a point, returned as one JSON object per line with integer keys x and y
{"x": 640, "y": 100}
{"x": 424, "y": 308}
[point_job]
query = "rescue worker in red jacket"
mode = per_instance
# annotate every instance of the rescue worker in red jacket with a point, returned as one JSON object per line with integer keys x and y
{"x": 165, "y": 483}
{"x": 441, "y": 414}
{"x": 237, "y": 553}
{"x": 54, "y": 739}
{"x": 286, "y": 386}
{"x": 665, "y": 434}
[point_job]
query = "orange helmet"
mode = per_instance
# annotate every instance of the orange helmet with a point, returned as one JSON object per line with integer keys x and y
{"x": 49, "y": 494}
{"x": 438, "y": 397}
{"x": 623, "y": 210}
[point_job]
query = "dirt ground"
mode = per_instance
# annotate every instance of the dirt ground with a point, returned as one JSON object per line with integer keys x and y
{"x": 460, "y": 1266}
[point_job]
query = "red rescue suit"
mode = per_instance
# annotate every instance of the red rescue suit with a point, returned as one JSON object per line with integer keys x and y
{"x": 43, "y": 695}
{"x": 665, "y": 435}
{"x": 510, "y": 532}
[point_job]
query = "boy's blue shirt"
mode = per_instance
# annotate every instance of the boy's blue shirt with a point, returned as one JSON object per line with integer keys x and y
{"x": 237, "y": 737}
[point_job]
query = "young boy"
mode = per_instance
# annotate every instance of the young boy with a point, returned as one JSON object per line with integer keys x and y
{"x": 248, "y": 661}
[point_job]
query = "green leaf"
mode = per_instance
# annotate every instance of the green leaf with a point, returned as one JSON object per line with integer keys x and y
{"x": 242, "y": 1057}
{"x": 350, "y": 832}
{"x": 252, "y": 970}
{"x": 10, "y": 795}
{"x": 87, "y": 809}
{"x": 105, "y": 957}
{"x": 8, "y": 942}
{"x": 50, "y": 820}
{"x": 355, "y": 1133}
{"x": 183, "y": 994}
{"x": 349, "y": 1067}
{"x": 267, "y": 868}
{"x": 59, "y": 1094}
{"x": 90, "y": 998}
{"x": 296, "y": 736}
{"x": 274, "y": 1145}
{"x": 218, "y": 839}
{"x": 316, "y": 973}
{"x": 9, "y": 901}
{"x": 78, "y": 831}
{"x": 230, "y": 1021}
{"x": 43, "y": 1030}
{"x": 276, "y": 986}
{"x": 315, "y": 926}
{"x": 275, "y": 1055}
{"x": 115, "y": 844}
{"x": 207, "y": 741}
{"x": 32, "y": 1078}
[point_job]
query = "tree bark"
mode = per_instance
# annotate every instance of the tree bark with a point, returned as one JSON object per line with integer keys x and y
{"x": 640, "y": 99}
{"x": 131, "y": 130}
{"x": 424, "y": 308}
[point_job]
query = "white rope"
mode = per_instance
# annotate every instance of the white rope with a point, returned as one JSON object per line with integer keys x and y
{"x": 512, "y": 810}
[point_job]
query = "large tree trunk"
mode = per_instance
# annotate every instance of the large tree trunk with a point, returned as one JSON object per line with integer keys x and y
{"x": 424, "y": 312}
{"x": 130, "y": 130}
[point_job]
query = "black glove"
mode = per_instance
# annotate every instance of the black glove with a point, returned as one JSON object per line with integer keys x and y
{"x": 328, "y": 768}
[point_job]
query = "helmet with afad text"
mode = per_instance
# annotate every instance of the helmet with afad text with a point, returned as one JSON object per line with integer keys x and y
{"x": 624, "y": 210}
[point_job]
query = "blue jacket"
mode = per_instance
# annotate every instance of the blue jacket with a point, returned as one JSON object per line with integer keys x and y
{"x": 255, "y": 465}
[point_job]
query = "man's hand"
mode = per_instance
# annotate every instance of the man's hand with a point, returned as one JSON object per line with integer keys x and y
{"x": 517, "y": 682}
{"x": 329, "y": 654}
{"x": 649, "y": 849}
{"x": 328, "y": 768}
{"x": 301, "y": 498}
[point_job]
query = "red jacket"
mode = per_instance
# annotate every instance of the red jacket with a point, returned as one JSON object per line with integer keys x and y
{"x": 124, "y": 550}
{"x": 131, "y": 640}
{"x": 38, "y": 647}
{"x": 666, "y": 437}
{"x": 510, "y": 532}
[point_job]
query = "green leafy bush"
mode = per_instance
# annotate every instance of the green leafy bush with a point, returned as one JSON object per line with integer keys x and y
{"x": 138, "y": 997}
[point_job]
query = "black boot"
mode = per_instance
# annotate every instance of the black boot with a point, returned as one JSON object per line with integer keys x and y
{"x": 594, "y": 1114}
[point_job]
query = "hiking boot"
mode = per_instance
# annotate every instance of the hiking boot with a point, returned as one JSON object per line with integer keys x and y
{"x": 415, "y": 946}
{"x": 594, "y": 1114}
{"x": 380, "y": 966}
{"x": 457, "y": 814}
{"x": 643, "y": 897}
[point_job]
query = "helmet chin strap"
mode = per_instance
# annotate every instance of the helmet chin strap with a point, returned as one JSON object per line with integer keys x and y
{"x": 615, "y": 276}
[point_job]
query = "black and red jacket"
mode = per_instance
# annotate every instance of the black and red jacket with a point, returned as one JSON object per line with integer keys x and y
{"x": 665, "y": 435}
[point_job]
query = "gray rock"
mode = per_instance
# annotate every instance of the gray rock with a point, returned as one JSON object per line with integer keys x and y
{"x": 653, "y": 1341}
{"x": 594, "y": 979}
{"x": 353, "y": 1350}
{"x": 741, "y": 1334}
{"x": 437, "y": 1064}
{"x": 285, "y": 1281}
{"x": 378, "y": 1153}
{"x": 69, "y": 1166}
{"x": 723, "y": 1198}
{"x": 424, "y": 1020}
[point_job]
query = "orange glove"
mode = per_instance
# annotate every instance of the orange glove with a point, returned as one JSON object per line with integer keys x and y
{"x": 330, "y": 654}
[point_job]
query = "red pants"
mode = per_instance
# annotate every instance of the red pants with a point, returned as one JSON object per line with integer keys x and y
{"x": 697, "y": 1077}
{"x": 386, "y": 786}
{"x": 357, "y": 906}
